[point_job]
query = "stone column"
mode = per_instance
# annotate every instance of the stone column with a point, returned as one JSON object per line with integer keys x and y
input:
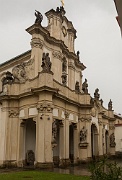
{"x": 64, "y": 142}
{"x": 37, "y": 51}
{"x": 100, "y": 144}
{"x": 104, "y": 140}
{"x": 37, "y": 46}
{"x": 12, "y": 144}
{"x": 21, "y": 144}
{"x": 88, "y": 127}
{"x": 61, "y": 143}
{"x": 75, "y": 143}
{"x": 3, "y": 132}
{"x": 44, "y": 157}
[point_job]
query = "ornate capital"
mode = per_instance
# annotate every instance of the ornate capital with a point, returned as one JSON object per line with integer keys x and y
{"x": 13, "y": 113}
{"x": 66, "y": 114}
{"x": 83, "y": 119}
{"x": 57, "y": 54}
{"x": 45, "y": 107}
{"x": 36, "y": 42}
{"x": 111, "y": 127}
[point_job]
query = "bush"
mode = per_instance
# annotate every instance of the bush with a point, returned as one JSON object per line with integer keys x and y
{"x": 105, "y": 170}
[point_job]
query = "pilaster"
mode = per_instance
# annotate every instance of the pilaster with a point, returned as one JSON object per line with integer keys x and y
{"x": 37, "y": 46}
{"x": 64, "y": 142}
{"x": 100, "y": 135}
{"x": 3, "y": 131}
{"x": 44, "y": 135}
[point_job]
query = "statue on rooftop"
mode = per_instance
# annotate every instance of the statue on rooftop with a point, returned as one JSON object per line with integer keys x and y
{"x": 39, "y": 17}
{"x": 78, "y": 55}
{"x": 85, "y": 87}
{"x": 110, "y": 105}
{"x": 8, "y": 79}
{"x": 96, "y": 94}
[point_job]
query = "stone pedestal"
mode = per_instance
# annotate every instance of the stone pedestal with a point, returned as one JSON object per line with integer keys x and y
{"x": 83, "y": 151}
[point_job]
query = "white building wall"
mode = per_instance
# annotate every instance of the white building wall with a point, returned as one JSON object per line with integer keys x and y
{"x": 118, "y": 138}
{"x": 2, "y": 137}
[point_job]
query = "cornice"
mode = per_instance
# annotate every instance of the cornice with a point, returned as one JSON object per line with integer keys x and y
{"x": 15, "y": 60}
{"x": 36, "y": 91}
{"x": 66, "y": 99}
{"x": 109, "y": 118}
{"x": 117, "y": 117}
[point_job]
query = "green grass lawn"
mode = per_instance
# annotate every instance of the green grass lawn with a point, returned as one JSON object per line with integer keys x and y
{"x": 32, "y": 175}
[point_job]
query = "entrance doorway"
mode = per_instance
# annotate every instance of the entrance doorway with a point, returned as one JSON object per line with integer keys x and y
{"x": 71, "y": 143}
{"x": 94, "y": 141}
{"x": 30, "y": 142}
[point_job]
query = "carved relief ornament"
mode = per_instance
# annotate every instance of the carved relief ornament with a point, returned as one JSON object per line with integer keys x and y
{"x": 57, "y": 54}
{"x": 13, "y": 113}
{"x": 37, "y": 43}
{"x": 45, "y": 107}
{"x": 82, "y": 119}
{"x": 112, "y": 127}
{"x": 21, "y": 72}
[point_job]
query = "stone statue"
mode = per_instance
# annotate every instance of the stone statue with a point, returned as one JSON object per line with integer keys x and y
{"x": 78, "y": 55}
{"x": 30, "y": 157}
{"x": 64, "y": 79}
{"x": 46, "y": 63}
{"x": 110, "y": 105}
{"x": 112, "y": 140}
{"x": 9, "y": 79}
{"x": 39, "y": 17}
{"x": 77, "y": 87}
{"x": 57, "y": 10}
{"x": 54, "y": 134}
{"x": 85, "y": 87}
{"x": 64, "y": 65}
{"x": 83, "y": 134}
{"x": 54, "y": 129}
{"x": 101, "y": 102}
{"x": 96, "y": 94}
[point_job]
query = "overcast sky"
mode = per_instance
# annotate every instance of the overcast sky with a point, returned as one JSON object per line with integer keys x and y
{"x": 98, "y": 39}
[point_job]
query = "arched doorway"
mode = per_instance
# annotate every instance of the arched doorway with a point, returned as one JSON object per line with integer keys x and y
{"x": 71, "y": 143}
{"x": 94, "y": 141}
{"x": 30, "y": 141}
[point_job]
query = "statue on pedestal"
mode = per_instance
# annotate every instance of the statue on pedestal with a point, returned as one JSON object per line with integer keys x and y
{"x": 46, "y": 63}
{"x": 39, "y": 17}
{"x": 85, "y": 87}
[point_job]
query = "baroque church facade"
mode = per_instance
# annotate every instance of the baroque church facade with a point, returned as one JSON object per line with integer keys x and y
{"x": 47, "y": 116}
